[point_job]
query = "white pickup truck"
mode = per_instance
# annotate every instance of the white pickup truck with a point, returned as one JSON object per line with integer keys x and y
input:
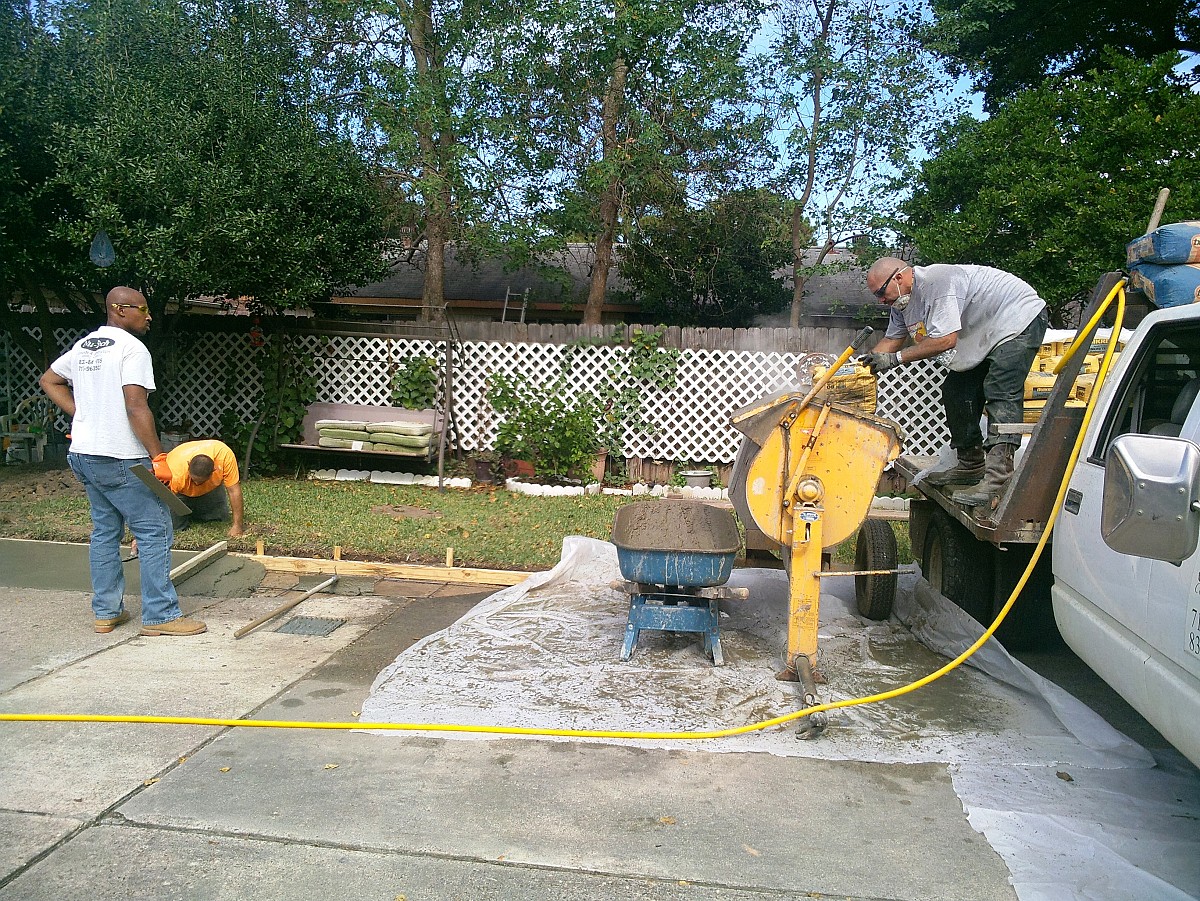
{"x": 1124, "y": 583}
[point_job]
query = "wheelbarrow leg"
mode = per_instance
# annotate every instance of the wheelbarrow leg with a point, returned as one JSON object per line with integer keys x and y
{"x": 712, "y": 636}
{"x": 631, "y": 630}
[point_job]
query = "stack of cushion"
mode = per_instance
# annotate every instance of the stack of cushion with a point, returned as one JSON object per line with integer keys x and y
{"x": 405, "y": 438}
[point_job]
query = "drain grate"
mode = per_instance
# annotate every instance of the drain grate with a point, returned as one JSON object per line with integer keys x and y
{"x": 310, "y": 625}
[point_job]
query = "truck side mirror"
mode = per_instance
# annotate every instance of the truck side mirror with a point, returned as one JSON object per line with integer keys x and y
{"x": 1151, "y": 491}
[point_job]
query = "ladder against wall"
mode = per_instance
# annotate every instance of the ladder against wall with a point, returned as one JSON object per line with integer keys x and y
{"x": 510, "y": 301}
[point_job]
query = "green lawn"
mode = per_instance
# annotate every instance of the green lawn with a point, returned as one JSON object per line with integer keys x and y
{"x": 487, "y": 527}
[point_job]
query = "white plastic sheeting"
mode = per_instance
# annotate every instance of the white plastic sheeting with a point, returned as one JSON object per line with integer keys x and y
{"x": 544, "y": 654}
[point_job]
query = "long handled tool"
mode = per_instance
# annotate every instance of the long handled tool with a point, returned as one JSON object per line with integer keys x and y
{"x": 246, "y": 630}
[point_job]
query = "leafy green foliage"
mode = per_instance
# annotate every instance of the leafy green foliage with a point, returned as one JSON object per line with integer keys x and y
{"x": 1011, "y": 45}
{"x": 414, "y": 383}
{"x": 289, "y": 384}
{"x": 712, "y": 266}
{"x": 543, "y": 425}
{"x": 644, "y": 370}
{"x": 1055, "y": 184}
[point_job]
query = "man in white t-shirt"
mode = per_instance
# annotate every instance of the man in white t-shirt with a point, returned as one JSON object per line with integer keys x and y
{"x": 103, "y": 383}
{"x": 985, "y": 325}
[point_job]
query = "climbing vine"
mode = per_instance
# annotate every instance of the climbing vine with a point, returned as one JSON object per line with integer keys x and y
{"x": 289, "y": 384}
{"x": 644, "y": 368}
{"x": 414, "y": 383}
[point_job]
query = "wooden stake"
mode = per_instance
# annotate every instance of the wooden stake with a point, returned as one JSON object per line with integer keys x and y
{"x": 259, "y": 548}
{"x": 449, "y": 558}
{"x": 337, "y": 552}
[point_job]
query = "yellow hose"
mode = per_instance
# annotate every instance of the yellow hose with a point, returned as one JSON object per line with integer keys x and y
{"x": 1117, "y": 292}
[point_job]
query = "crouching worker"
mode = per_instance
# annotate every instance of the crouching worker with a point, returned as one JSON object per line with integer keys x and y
{"x": 204, "y": 475}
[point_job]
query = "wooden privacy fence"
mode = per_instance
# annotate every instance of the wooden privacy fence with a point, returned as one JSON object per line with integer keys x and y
{"x": 689, "y": 422}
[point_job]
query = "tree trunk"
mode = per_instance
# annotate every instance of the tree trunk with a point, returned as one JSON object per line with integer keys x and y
{"x": 801, "y": 234}
{"x": 610, "y": 199}
{"x": 435, "y": 190}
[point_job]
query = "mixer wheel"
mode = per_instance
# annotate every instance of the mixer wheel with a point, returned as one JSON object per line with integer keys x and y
{"x": 875, "y": 549}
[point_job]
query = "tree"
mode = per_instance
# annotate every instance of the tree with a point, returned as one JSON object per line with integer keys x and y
{"x": 177, "y": 129}
{"x": 190, "y": 149}
{"x": 1055, "y": 184}
{"x": 619, "y": 105}
{"x": 711, "y": 266}
{"x": 856, "y": 98}
{"x": 1009, "y": 45}
{"x": 36, "y": 264}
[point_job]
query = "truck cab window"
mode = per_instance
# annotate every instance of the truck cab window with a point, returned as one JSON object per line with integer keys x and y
{"x": 1159, "y": 388}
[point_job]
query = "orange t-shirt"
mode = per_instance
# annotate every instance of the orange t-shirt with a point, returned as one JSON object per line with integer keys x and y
{"x": 225, "y": 468}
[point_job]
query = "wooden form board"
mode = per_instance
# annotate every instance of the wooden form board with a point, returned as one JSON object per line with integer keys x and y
{"x": 456, "y": 574}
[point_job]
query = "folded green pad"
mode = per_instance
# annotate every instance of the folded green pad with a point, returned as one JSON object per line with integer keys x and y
{"x": 400, "y": 428}
{"x": 348, "y": 434}
{"x": 352, "y": 424}
{"x": 397, "y": 450}
{"x": 410, "y": 441}
{"x": 344, "y": 443}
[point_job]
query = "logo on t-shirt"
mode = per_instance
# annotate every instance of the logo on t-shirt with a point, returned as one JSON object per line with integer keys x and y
{"x": 97, "y": 343}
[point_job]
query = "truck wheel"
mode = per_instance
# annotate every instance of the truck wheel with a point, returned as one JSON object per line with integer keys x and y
{"x": 955, "y": 564}
{"x": 875, "y": 549}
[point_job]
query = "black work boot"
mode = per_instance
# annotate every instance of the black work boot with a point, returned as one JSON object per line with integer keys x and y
{"x": 967, "y": 471}
{"x": 998, "y": 470}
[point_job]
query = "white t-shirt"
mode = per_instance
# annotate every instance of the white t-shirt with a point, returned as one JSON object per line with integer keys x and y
{"x": 985, "y": 306}
{"x": 98, "y": 367}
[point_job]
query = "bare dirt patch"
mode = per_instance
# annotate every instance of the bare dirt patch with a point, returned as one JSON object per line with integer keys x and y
{"x": 19, "y": 483}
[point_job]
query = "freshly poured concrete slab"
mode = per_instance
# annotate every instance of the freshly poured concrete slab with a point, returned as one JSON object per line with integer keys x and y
{"x": 61, "y": 566}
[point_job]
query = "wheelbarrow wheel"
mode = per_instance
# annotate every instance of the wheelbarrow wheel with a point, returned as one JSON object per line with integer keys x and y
{"x": 875, "y": 549}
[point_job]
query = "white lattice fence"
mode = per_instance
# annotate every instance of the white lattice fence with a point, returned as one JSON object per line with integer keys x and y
{"x": 691, "y": 421}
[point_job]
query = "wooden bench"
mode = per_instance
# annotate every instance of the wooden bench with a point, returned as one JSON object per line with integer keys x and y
{"x": 365, "y": 413}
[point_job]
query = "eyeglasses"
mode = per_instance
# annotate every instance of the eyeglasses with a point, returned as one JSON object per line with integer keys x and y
{"x": 882, "y": 289}
{"x": 140, "y": 307}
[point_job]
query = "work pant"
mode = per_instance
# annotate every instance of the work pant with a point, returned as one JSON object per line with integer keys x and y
{"x": 996, "y": 387}
{"x": 210, "y": 507}
{"x": 118, "y": 498}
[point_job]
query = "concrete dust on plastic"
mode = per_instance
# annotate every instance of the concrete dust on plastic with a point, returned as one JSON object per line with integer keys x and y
{"x": 545, "y": 654}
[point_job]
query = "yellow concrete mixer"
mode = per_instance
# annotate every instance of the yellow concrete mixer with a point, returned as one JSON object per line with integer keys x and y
{"x": 805, "y": 475}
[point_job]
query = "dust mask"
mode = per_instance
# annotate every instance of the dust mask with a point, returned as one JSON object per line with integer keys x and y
{"x": 901, "y": 302}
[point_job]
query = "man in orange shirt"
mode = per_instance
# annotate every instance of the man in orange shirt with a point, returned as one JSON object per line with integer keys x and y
{"x": 204, "y": 475}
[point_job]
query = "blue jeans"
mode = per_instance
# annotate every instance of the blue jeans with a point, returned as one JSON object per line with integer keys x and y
{"x": 996, "y": 386}
{"x": 117, "y": 497}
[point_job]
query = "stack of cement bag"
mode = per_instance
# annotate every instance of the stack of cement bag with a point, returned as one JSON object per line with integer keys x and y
{"x": 409, "y": 439}
{"x": 1165, "y": 264}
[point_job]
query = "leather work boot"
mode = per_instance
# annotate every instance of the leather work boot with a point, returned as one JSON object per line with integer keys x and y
{"x": 967, "y": 471}
{"x": 999, "y": 470}
{"x": 181, "y": 626}
{"x": 107, "y": 625}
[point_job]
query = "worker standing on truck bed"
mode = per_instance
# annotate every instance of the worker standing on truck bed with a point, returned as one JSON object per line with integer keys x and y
{"x": 985, "y": 325}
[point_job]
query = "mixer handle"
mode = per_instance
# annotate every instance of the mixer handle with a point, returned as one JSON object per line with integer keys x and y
{"x": 861, "y": 338}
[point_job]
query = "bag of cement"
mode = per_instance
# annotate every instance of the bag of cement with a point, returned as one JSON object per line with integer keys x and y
{"x": 852, "y": 385}
{"x": 1167, "y": 286}
{"x": 1172, "y": 244}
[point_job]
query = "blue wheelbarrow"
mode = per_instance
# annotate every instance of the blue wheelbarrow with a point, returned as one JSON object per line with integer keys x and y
{"x": 675, "y": 557}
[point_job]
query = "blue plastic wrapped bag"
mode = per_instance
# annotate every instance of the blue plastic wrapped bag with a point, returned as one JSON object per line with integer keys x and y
{"x": 1172, "y": 244}
{"x": 1167, "y": 286}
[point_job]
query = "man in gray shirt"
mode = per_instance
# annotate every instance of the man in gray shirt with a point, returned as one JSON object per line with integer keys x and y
{"x": 985, "y": 326}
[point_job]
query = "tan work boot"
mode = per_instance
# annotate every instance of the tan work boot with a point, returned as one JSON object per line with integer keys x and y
{"x": 181, "y": 626}
{"x": 107, "y": 625}
{"x": 999, "y": 470}
{"x": 967, "y": 471}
